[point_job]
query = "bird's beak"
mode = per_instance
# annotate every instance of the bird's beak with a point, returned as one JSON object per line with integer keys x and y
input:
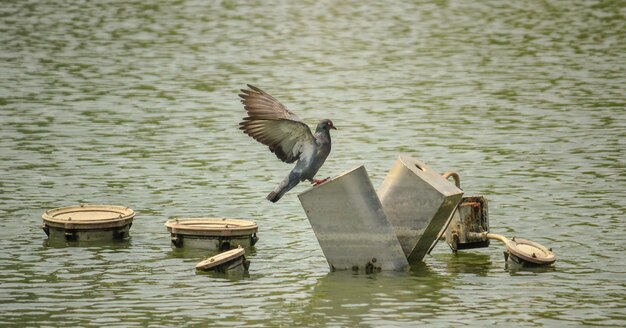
{"x": 333, "y": 127}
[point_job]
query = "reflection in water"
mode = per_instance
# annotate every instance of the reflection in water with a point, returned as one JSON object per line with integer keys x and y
{"x": 515, "y": 268}
{"x": 471, "y": 262}
{"x": 113, "y": 244}
{"x": 191, "y": 253}
{"x": 344, "y": 298}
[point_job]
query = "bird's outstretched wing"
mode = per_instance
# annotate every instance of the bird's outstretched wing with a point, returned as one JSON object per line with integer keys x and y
{"x": 272, "y": 124}
{"x": 259, "y": 103}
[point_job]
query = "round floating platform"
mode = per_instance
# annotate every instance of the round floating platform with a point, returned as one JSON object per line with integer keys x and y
{"x": 524, "y": 251}
{"x": 216, "y": 234}
{"x": 88, "y": 222}
{"x": 229, "y": 261}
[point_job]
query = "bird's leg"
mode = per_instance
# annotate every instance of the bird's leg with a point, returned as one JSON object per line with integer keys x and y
{"x": 317, "y": 182}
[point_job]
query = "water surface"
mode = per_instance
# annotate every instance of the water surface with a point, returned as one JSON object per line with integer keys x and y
{"x": 135, "y": 103}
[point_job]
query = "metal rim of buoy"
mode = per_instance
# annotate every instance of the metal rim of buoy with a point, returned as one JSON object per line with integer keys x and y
{"x": 211, "y": 226}
{"x": 88, "y": 216}
{"x": 220, "y": 258}
{"x": 526, "y": 250}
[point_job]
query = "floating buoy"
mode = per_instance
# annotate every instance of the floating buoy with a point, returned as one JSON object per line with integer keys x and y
{"x": 232, "y": 261}
{"x": 88, "y": 223}
{"x": 215, "y": 234}
{"x": 525, "y": 252}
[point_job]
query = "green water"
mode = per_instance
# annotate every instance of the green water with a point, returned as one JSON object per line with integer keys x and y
{"x": 135, "y": 103}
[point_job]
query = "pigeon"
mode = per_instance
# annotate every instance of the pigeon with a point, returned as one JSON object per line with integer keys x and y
{"x": 272, "y": 124}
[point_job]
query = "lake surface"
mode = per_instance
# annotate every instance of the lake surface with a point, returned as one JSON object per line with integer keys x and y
{"x": 135, "y": 103}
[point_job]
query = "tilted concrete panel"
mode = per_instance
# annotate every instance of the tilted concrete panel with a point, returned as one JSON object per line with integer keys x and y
{"x": 417, "y": 202}
{"x": 350, "y": 225}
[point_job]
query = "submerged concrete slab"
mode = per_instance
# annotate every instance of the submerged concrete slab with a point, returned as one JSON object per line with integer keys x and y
{"x": 418, "y": 203}
{"x": 350, "y": 224}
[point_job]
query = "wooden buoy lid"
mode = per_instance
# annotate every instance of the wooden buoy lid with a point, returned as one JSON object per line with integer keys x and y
{"x": 220, "y": 259}
{"x": 530, "y": 251}
{"x": 211, "y": 227}
{"x": 88, "y": 216}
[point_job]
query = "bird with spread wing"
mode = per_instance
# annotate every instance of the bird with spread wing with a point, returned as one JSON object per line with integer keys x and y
{"x": 272, "y": 124}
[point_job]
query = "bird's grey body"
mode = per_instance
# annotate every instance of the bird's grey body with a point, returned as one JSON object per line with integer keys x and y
{"x": 272, "y": 124}
{"x": 307, "y": 165}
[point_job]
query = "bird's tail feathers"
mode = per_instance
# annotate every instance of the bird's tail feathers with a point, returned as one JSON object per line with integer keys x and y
{"x": 287, "y": 184}
{"x": 274, "y": 196}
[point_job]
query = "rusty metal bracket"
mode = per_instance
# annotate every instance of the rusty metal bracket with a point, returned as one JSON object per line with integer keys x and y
{"x": 177, "y": 242}
{"x": 253, "y": 239}
{"x": 71, "y": 235}
{"x": 46, "y": 229}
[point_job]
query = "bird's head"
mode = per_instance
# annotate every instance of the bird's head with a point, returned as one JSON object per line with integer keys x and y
{"x": 325, "y": 125}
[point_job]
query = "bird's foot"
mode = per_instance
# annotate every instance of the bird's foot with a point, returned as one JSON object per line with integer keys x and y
{"x": 317, "y": 182}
